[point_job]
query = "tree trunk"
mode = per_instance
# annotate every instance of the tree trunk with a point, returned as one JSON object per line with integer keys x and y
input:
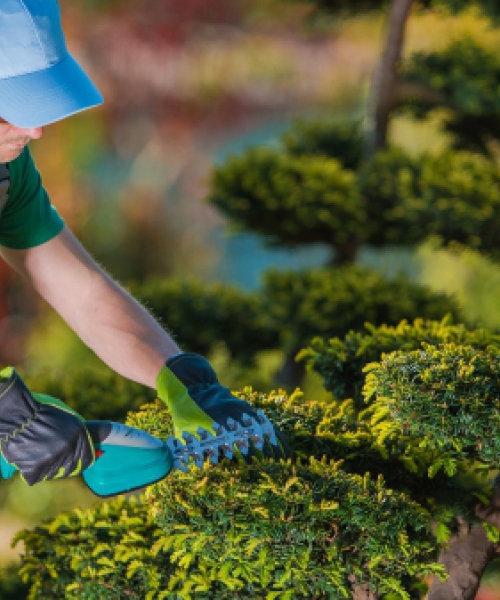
{"x": 468, "y": 555}
{"x": 344, "y": 254}
{"x": 465, "y": 560}
{"x": 291, "y": 373}
{"x": 361, "y": 592}
{"x": 382, "y": 92}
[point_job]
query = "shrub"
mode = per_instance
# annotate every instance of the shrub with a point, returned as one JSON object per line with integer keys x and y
{"x": 341, "y": 362}
{"x": 341, "y": 140}
{"x": 466, "y": 75}
{"x": 446, "y": 396}
{"x": 291, "y": 200}
{"x": 311, "y": 190}
{"x": 102, "y": 553}
{"x": 331, "y": 302}
{"x": 353, "y": 507}
{"x": 201, "y": 315}
{"x": 267, "y": 530}
{"x": 287, "y": 312}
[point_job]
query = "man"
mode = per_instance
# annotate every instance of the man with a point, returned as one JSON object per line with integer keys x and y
{"x": 41, "y": 83}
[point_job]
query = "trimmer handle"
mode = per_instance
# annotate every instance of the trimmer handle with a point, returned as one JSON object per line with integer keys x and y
{"x": 126, "y": 459}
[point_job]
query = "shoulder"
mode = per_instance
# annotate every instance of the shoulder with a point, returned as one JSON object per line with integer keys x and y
{"x": 28, "y": 218}
{"x": 23, "y": 171}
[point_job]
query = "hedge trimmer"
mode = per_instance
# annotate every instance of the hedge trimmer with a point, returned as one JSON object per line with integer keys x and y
{"x": 128, "y": 458}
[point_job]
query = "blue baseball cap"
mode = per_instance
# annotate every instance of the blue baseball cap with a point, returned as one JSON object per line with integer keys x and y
{"x": 40, "y": 82}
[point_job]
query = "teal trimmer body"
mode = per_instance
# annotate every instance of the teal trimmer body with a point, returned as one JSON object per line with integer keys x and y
{"x": 128, "y": 458}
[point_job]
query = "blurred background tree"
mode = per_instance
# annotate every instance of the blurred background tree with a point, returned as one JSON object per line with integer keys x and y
{"x": 343, "y": 185}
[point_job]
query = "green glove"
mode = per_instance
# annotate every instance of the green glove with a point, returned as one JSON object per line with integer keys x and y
{"x": 190, "y": 388}
{"x": 39, "y": 435}
{"x": 187, "y": 416}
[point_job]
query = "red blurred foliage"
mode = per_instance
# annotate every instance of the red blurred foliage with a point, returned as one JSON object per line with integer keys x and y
{"x": 172, "y": 22}
{"x": 146, "y": 55}
{"x": 488, "y": 594}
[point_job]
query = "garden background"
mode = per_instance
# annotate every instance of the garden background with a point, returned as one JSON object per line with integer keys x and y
{"x": 186, "y": 87}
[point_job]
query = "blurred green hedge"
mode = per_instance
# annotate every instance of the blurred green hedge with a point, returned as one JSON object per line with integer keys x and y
{"x": 289, "y": 309}
{"x": 314, "y": 189}
{"x": 11, "y": 586}
{"x": 200, "y": 315}
{"x": 96, "y": 393}
{"x": 465, "y": 75}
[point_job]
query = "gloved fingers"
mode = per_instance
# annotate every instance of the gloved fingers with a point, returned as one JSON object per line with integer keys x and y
{"x": 191, "y": 389}
{"x": 56, "y": 445}
{"x": 41, "y": 436}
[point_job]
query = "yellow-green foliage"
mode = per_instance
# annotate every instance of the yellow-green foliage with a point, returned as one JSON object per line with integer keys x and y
{"x": 286, "y": 531}
{"x": 340, "y": 362}
{"x": 302, "y": 528}
{"x": 104, "y": 554}
{"x": 353, "y": 505}
{"x": 370, "y": 436}
{"x": 447, "y": 397}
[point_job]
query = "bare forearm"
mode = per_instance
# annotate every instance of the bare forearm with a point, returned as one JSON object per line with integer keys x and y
{"x": 121, "y": 332}
{"x": 114, "y": 325}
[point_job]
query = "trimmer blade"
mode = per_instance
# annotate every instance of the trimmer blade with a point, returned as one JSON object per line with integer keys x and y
{"x": 249, "y": 432}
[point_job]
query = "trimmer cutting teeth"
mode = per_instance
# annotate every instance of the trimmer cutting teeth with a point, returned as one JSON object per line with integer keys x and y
{"x": 251, "y": 432}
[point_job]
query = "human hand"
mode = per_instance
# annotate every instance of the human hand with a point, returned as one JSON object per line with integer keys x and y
{"x": 40, "y": 436}
{"x": 191, "y": 390}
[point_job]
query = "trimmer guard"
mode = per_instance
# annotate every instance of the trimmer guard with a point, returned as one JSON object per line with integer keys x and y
{"x": 138, "y": 467}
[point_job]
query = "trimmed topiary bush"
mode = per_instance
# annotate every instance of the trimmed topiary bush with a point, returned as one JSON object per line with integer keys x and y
{"x": 341, "y": 140}
{"x": 331, "y": 302}
{"x": 369, "y": 497}
{"x": 341, "y": 361}
{"x": 448, "y": 396}
{"x": 263, "y": 188}
{"x": 300, "y": 528}
{"x": 102, "y": 553}
{"x": 287, "y": 312}
{"x": 464, "y": 77}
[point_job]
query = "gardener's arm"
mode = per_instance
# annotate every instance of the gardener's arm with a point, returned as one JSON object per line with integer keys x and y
{"x": 114, "y": 325}
{"x": 127, "y": 338}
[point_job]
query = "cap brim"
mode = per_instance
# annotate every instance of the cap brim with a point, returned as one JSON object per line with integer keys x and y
{"x": 43, "y": 97}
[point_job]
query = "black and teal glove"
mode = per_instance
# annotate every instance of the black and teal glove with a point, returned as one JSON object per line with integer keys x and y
{"x": 192, "y": 392}
{"x": 39, "y": 435}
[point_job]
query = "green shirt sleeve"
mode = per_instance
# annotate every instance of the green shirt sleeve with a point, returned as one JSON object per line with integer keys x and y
{"x": 28, "y": 218}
